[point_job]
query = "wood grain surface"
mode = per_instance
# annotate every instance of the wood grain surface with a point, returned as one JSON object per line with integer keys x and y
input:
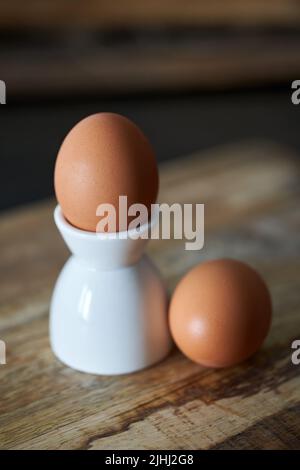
{"x": 251, "y": 195}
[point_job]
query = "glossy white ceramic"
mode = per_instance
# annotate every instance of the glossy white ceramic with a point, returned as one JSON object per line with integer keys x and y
{"x": 108, "y": 312}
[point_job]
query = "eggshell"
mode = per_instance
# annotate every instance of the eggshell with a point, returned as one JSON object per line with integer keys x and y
{"x": 103, "y": 157}
{"x": 220, "y": 313}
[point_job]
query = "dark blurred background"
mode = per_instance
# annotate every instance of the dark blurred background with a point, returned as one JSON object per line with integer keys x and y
{"x": 191, "y": 73}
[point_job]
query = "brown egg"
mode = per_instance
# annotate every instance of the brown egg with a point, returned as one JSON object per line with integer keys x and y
{"x": 220, "y": 313}
{"x": 103, "y": 157}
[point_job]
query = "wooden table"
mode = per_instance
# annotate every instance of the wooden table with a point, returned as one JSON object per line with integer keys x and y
{"x": 252, "y": 198}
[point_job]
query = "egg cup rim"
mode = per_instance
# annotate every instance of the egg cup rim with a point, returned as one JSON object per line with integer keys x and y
{"x": 65, "y": 226}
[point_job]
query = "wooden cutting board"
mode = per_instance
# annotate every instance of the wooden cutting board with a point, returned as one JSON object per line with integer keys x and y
{"x": 251, "y": 193}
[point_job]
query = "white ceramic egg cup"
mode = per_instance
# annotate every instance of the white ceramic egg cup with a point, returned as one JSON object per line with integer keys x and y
{"x": 108, "y": 312}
